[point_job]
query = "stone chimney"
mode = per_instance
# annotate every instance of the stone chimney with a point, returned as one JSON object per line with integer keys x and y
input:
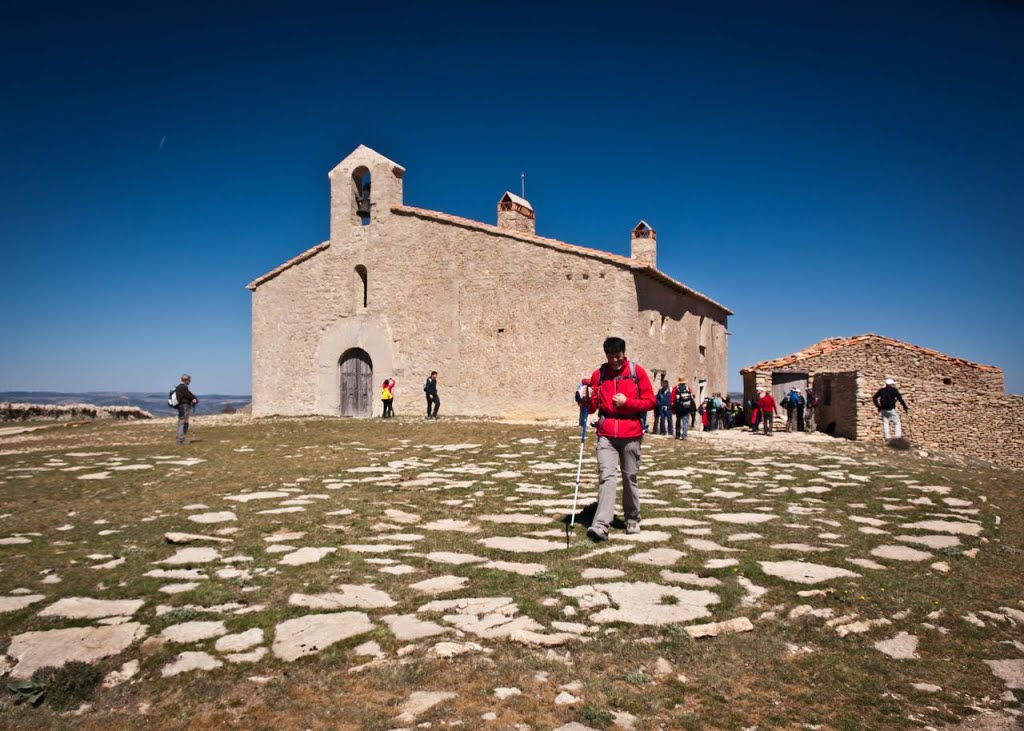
{"x": 516, "y": 214}
{"x": 644, "y": 245}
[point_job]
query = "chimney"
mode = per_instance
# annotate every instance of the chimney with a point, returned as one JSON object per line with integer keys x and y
{"x": 644, "y": 245}
{"x": 516, "y": 214}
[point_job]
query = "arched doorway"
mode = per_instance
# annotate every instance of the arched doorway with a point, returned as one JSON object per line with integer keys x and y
{"x": 356, "y": 383}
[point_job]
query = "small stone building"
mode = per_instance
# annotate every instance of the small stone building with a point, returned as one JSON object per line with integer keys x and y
{"x": 509, "y": 319}
{"x": 955, "y": 405}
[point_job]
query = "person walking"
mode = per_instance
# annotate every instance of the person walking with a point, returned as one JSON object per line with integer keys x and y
{"x": 755, "y": 413}
{"x": 769, "y": 410}
{"x": 433, "y": 400}
{"x": 620, "y": 393}
{"x": 663, "y": 402}
{"x": 795, "y": 410}
{"x": 682, "y": 404}
{"x": 810, "y": 409}
{"x": 186, "y": 402}
{"x": 885, "y": 400}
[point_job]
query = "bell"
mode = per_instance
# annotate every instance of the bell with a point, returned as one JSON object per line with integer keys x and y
{"x": 363, "y": 205}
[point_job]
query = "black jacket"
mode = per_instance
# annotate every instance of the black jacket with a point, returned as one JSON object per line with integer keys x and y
{"x": 886, "y": 397}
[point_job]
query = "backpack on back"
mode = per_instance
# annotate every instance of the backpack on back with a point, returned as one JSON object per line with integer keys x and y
{"x": 172, "y": 398}
{"x": 684, "y": 400}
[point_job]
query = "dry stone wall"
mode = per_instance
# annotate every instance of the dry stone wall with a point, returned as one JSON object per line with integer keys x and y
{"x": 69, "y": 412}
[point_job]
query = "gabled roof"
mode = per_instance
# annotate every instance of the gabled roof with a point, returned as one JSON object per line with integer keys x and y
{"x": 615, "y": 259}
{"x": 604, "y": 256}
{"x": 308, "y": 253}
{"x": 513, "y": 198}
{"x": 829, "y": 345}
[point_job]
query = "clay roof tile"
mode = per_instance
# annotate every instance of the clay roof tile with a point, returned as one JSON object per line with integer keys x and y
{"x": 829, "y": 345}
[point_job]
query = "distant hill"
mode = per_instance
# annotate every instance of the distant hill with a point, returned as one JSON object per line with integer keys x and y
{"x": 154, "y": 403}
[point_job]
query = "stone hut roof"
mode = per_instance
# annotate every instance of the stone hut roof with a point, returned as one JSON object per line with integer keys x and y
{"x": 829, "y": 345}
{"x": 604, "y": 256}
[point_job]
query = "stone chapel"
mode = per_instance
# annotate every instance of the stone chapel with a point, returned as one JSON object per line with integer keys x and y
{"x": 510, "y": 320}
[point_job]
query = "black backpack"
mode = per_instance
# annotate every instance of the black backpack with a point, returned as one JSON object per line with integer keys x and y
{"x": 684, "y": 400}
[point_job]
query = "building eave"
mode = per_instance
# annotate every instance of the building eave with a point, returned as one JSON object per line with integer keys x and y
{"x": 829, "y": 345}
{"x": 614, "y": 259}
{"x": 308, "y": 254}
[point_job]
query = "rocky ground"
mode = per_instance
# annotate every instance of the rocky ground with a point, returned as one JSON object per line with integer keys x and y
{"x": 337, "y": 574}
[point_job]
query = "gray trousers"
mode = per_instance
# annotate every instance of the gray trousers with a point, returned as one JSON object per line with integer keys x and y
{"x": 616, "y": 455}
{"x": 184, "y": 410}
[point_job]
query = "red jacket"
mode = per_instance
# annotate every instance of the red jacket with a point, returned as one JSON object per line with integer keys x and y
{"x": 621, "y": 422}
{"x": 767, "y": 404}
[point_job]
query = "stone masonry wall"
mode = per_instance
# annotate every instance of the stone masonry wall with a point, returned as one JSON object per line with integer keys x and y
{"x": 509, "y": 325}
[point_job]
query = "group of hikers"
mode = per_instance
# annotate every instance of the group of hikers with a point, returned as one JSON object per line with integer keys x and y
{"x": 800, "y": 410}
{"x": 619, "y": 392}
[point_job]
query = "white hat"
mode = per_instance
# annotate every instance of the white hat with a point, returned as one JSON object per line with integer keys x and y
{"x": 890, "y": 382}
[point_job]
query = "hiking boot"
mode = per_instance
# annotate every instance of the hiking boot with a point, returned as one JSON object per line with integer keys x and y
{"x": 596, "y": 534}
{"x": 632, "y": 527}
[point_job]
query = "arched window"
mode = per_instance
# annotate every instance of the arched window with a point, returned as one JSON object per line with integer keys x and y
{"x": 361, "y": 190}
{"x": 361, "y": 271}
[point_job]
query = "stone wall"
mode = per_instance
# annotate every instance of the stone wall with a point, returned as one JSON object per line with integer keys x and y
{"x": 510, "y": 324}
{"x": 996, "y": 430}
{"x": 837, "y": 409}
{"x": 69, "y": 412}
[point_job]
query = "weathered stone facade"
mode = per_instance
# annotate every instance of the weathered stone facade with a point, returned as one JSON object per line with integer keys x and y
{"x": 955, "y": 405}
{"x": 509, "y": 319}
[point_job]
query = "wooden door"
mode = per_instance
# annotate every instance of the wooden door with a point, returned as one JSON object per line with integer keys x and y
{"x": 783, "y": 383}
{"x": 356, "y": 383}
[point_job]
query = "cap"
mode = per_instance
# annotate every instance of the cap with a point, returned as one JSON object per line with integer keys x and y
{"x": 890, "y": 382}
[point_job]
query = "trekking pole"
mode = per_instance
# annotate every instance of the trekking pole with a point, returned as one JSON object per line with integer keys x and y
{"x": 576, "y": 494}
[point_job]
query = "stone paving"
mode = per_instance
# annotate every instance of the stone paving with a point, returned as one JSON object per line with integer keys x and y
{"x": 703, "y": 518}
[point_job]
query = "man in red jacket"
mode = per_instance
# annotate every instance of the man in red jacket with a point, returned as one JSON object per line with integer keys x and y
{"x": 769, "y": 410}
{"x": 621, "y": 393}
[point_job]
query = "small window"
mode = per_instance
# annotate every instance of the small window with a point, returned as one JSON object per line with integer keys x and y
{"x": 361, "y": 271}
{"x": 501, "y": 331}
{"x": 947, "y": 381}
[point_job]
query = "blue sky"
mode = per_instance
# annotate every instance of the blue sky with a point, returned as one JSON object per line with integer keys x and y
{"x": 822, "y": 169}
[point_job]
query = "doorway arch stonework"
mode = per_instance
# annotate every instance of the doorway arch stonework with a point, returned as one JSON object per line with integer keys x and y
{"x": 369, "y": 334}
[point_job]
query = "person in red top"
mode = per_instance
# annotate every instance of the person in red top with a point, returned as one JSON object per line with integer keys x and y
{"x": 621, "y": 393}
{"x": 769, "y": 410}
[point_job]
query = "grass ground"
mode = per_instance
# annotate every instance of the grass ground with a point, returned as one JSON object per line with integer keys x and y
{"x": 87, "y": 496}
